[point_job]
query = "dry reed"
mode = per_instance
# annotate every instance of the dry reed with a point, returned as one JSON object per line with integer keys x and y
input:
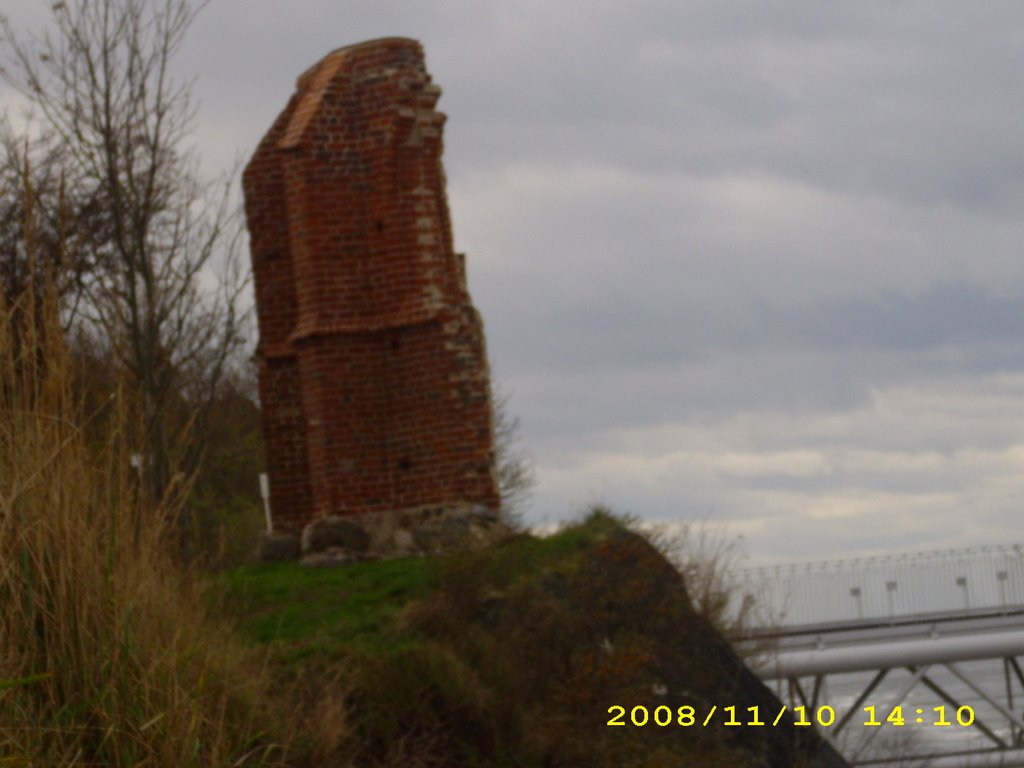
{"x": 107, "y": 654}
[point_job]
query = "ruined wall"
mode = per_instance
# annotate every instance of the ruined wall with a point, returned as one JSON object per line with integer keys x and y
{"x": 373, "y": 374}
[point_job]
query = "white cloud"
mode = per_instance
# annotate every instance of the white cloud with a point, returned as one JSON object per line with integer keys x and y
{"x": 824, "y": 483}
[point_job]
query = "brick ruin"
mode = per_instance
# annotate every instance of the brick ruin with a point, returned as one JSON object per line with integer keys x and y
{"x": 373, "y": 376}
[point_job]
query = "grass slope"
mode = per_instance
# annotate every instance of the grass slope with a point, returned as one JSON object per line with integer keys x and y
{"x": 509, "y": 656}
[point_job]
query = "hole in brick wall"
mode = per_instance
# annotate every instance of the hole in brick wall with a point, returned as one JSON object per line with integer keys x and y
{"x": 405, "y": 464}
{"x": 380, "y": 226}
{"x": 396, "y": 344}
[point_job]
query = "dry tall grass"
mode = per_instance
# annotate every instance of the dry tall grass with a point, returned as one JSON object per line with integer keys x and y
{"x": 107, "y": 656}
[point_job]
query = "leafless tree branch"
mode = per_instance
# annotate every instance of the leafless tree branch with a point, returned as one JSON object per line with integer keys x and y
{"x": 113, "y": 122}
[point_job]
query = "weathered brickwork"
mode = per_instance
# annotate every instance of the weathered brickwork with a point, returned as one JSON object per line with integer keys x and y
{"x": 373, "y": 374}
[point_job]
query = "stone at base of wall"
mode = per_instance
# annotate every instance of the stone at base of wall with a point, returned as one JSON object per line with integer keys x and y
{"x": 277, "y": 546}
{"x": 340, "y": 540}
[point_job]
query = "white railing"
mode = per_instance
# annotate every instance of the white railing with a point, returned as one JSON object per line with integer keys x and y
{"x": 882, "y": 588}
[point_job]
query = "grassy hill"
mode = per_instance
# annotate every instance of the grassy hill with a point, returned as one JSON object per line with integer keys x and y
{"x": 514, "y": 656}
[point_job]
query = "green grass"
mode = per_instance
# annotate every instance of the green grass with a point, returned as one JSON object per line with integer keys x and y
{"x": 303, "y": 612}
{"x": 326, "y": 611}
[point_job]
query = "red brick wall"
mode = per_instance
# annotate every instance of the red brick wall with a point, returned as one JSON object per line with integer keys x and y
{"x": 373, "y": 372}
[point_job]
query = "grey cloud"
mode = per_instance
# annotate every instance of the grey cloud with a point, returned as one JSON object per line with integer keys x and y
{"x": 872, "y": 101}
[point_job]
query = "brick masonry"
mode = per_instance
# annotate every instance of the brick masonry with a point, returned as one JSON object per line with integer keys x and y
{"x": 374, "y": 384}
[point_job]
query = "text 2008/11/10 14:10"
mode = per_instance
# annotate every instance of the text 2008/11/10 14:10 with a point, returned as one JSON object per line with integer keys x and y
{"x": 825, "y": 716}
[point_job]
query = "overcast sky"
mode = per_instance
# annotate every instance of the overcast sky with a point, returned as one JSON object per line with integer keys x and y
{"x": 755, "y": 262}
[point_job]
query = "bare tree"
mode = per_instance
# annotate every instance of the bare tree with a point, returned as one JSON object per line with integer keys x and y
{"x": 513, "y": 466}
{"x": 100, "y": 84}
